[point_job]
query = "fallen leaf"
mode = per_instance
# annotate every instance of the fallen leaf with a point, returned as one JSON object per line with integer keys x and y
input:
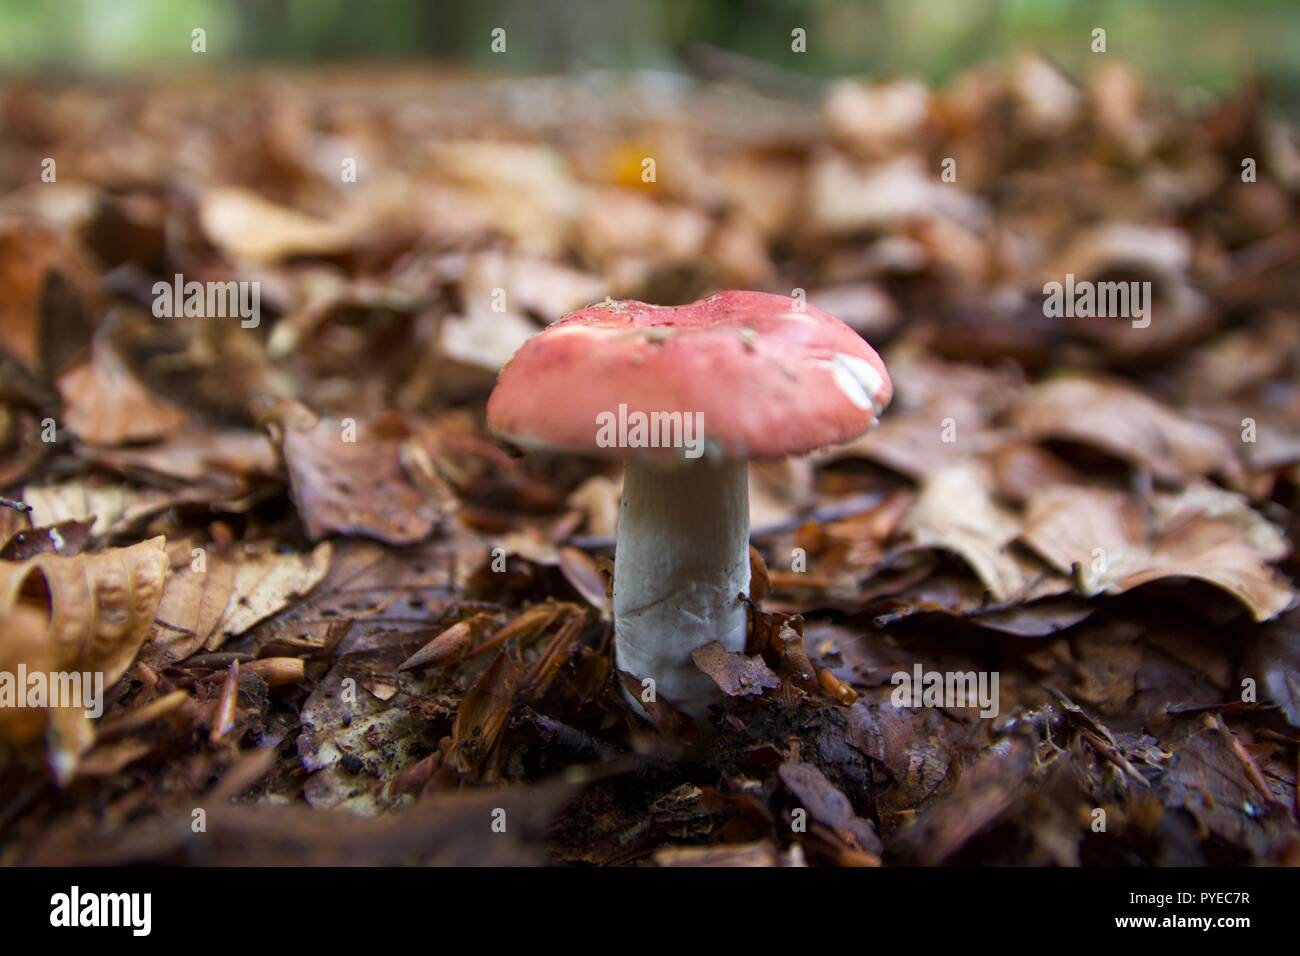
{"x": 105, "y": 404}
{"x": 264, "y": 583}
{"x": 348, "y": 477}
{"x": 828, "y": 806}
{"x": 1111, "y": 545}
{"x": 99, "y": 608}
{"x": 196, "y": 455}
{"x": 1124, "y": 422}
{"x": 110, "y": 506}
{"x": 482, "y": 716}
{"x": 737, "y": 675}
{"x": 246, "y": 226}
{"x": 448, "y": 647}
{"x": 65, "y": 538}
{"x": 1273, "y": 659}
{"x": 28, "y": 253}
{"x": 956, "y": 512}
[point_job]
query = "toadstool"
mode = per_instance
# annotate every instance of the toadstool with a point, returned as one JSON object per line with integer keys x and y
{"x": 687, "y": 395}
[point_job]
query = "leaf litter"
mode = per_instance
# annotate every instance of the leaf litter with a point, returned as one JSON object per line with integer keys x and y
{"x": 333, "y": 611}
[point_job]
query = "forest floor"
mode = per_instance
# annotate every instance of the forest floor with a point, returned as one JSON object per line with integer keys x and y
{"x": 339, "y": 623}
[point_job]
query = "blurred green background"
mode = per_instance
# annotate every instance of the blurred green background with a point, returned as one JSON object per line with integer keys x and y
{"x": 1212, "y": 44}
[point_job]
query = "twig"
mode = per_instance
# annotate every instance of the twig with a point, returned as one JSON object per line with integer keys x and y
{"x": 19, "y": 506}
{"x": 1253, "y": 772}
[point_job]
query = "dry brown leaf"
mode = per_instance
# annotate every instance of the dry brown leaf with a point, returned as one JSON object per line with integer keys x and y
{"x": 193, "y": 604}
{"x": 27, "y": 253}
{"x": 597, "y": 498}
{"x": 246, "y": 226}
{"x": 877, "y": 119}
{"x": 922, "y": 443}
{"x": 99, "y": 608}
{"x": 557, "y": 652}
{"x": 105, "y": 404}
{"x": 525, "y": 188}
{"x": 1112, "y": 545}
{"x": 624, "y": 224}
{"x": 863, "y": 306}
{"x": 759, "y": 853}
{"x": 847, "y": 197}
{"x": 447, "y": 647}
{"x": 955, "y": 511}
{"x": 828, "y": 806}
{"x": 66, "y": 538}
{"x": 356, "y": 486}
{"x": 482, "y": 716}
{"x": 264, "y": 583}
{"x": 111, "y": 506}
{"x": 473, "y": 348}
{"x": 22, "y": 270}
{"x": 581, "y": 571}
{"x": 195, "y": 455}
{"x": 12, "y": 523}
{"x": 541, "y": 287}
{"x": 1124, "y": 422}
{"x": 737, "y": 675}
{"x": 214, "y": 593}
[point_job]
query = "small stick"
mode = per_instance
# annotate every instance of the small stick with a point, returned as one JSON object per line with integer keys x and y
{"x": 1253, "y": 772}
{"x": 20, "y": 506}
{"x": 223, "y": 718}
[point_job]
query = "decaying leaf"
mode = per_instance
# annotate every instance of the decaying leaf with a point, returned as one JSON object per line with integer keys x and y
{"x": 1123, "y": 422}
{"x": 107, "y": 405}
{"x": 1111, "y": 544}
{"x": 956, "y": 512}
{"x": 828, "y": 806}
{"x": 482, "y": 716}
{"x": 735, "y": 674}
{"x": 264, "y": 583}
{"x": 215, "y": 593}
{"x": 109, "y": 506}
{"x": 97, "y": 608}
{"x": 347, "y": 477}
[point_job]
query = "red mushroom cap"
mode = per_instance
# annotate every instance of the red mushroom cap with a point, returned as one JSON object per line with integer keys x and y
{"x": 770, "y": 375}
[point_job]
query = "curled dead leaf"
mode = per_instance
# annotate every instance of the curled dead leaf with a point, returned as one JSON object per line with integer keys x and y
{"x": 1123, "y": 422}
{"x": 956, "y": 512}
{"x": 97, "y": 608}
{"x": 1112, "y": 545}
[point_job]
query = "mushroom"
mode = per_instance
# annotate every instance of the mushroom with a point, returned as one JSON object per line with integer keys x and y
{"x": 687, "y": 395}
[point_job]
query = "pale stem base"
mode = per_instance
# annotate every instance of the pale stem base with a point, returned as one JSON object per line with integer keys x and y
{"x": 681, "y": 564}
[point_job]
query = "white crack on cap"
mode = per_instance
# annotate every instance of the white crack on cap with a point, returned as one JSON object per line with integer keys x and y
{"x": 858, "y": 379}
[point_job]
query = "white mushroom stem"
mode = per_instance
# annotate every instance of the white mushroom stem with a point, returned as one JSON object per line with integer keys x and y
{"x": 681, "y": 564}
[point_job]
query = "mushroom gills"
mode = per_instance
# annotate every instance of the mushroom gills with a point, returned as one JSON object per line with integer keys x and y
{"x": 680, "y": 568}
